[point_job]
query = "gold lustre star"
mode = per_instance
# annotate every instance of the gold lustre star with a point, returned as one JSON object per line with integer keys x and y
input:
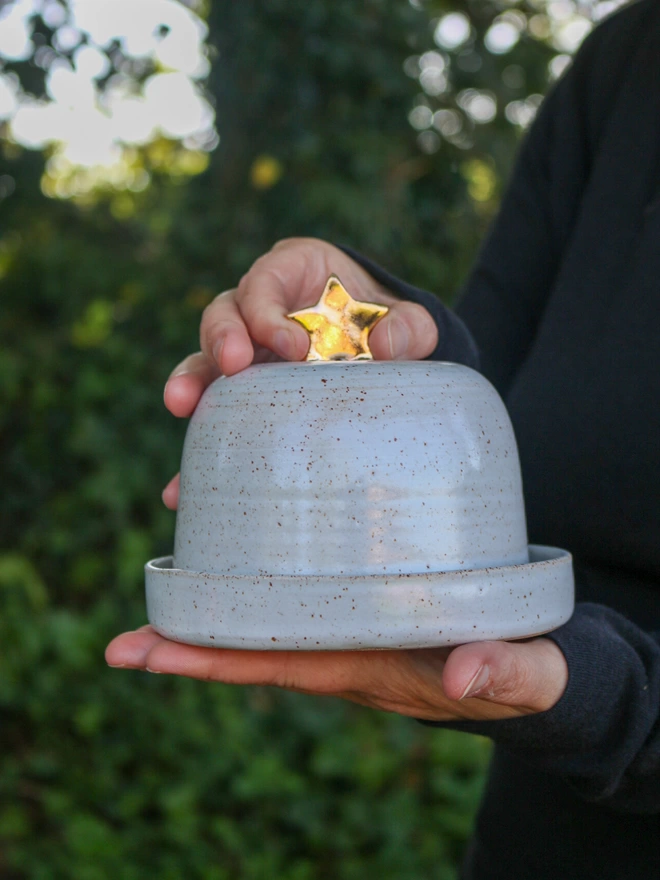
{"x": 338, "y": 325}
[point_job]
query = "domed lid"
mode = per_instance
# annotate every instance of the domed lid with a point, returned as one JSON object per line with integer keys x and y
{"x": 350, "y": 468}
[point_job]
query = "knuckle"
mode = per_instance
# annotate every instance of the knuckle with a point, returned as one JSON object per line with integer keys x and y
{"x": 262, "y": 265}
{"x": 217, "y": 302}
{"x": 308, "y": 248}
{"x": 209, "y": 318}
{"x": 248, "y": 277}
{"x": 251, "y": 281}
{"x": 284, "y": 243}
{"x": 520, "y": 684}
{"x": 271, "y": 278}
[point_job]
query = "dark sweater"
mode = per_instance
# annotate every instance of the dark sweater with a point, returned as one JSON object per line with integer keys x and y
{"x": 564, "y": 306}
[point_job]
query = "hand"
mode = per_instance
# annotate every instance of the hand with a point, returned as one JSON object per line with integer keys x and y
{"x": 249, "y": 325}
{"x": 482, "y": 681}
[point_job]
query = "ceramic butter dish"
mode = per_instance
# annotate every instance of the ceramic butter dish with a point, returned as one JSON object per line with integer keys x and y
{"x": 350, "y": 504}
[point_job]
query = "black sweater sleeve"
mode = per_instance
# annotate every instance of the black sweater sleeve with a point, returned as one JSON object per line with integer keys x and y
{"x": 603, "y": 736}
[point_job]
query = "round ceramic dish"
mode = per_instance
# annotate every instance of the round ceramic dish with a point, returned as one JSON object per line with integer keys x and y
{"x": 359, "y": 613}
{"x": 353, "y": 505}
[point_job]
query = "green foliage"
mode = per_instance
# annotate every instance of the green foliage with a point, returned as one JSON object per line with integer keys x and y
{"x": 105, "y": 774}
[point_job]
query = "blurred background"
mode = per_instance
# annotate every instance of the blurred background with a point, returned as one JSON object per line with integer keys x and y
{"x": 150, "y": 150}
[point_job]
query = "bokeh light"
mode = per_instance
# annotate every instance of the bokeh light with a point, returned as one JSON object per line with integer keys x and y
{"x": 521, "y": 113}
{"x": 501, "y": 37}
{"x": 558, "y": 65}
{"x": 15, "y": 42}
{"x": 123, "y": 74}
{"x": 448, "y": 122}
{"x": 8, "y": 97}
{"x": 454, "y": 113}
{"x": 480, "y": 106}
{"x": 89, "y": 117}
{"x": 452, "y": 30}
{"x": 420, "y": 117}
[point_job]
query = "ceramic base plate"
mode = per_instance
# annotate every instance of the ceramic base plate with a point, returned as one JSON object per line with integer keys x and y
{"x": 361, "y": 613}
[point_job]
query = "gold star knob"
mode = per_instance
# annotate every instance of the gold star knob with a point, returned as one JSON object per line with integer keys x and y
{"x": 338, "y": 325}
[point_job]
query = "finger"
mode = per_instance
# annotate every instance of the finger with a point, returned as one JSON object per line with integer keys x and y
{"x": 130, "y": 649}
{"x": 531, "y": 676}
{"x": 327, "y": 672}
{"x": 223, "y": 336}
{"x": 265, "y": 297}
{"x": 407, "y": 332}
{"x": 170, "y": 494}
{"x": 187, "y": 382}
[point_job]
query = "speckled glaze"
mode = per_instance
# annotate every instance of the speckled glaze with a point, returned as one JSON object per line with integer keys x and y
{"x": 397, "y": 482}
{"x": 350, "y": 469}
{"x": 358, "y": 613}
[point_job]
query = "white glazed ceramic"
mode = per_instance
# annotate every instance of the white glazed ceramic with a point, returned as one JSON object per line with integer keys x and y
{"x": 374, "y": 611}
{"x": 353, "y": 505}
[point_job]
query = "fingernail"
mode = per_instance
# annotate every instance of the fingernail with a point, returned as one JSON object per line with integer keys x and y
{"x": 152, "y": 671}
{"x": 117, "y": 665}
{"x": 217, "y": 350}
{"x": 478, "y": 682}
{"x": 398, "y": 336}
{"x": 283, "y": 343}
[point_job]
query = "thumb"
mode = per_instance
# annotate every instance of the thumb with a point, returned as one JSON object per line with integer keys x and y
{"x": 407, "y": 332}
{"x": 530, "y": 676}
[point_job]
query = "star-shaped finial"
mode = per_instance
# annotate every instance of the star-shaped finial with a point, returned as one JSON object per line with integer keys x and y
{"x": 338, "y": 325}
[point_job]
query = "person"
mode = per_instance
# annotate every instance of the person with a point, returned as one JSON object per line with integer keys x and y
{"x": 563, "y": 311}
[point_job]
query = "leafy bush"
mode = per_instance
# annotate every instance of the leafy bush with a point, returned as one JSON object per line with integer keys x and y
{"x": 108, "y": 774}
